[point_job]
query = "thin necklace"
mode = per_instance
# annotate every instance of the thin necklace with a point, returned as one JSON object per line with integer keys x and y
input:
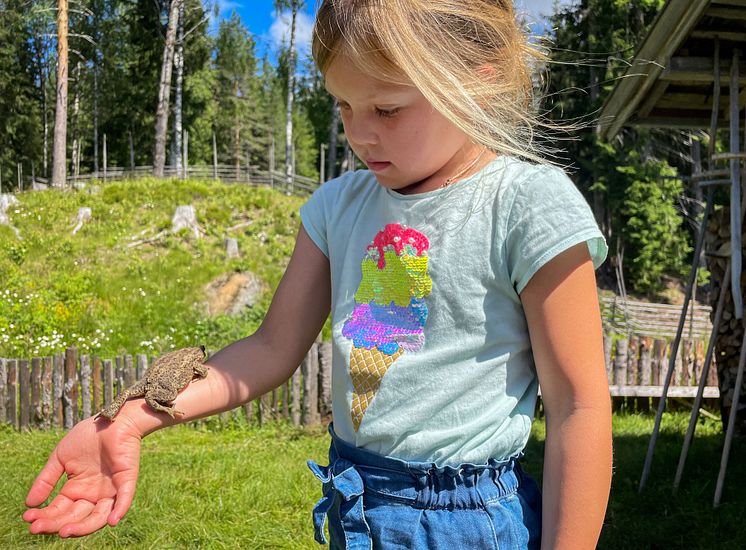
{"x": 471, "y": 165}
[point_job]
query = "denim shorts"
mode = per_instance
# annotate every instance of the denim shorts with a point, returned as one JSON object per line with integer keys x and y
{"x": 375, "y": 501}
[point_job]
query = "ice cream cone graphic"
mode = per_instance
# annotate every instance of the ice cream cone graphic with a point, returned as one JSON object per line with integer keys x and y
{"x": 390, "y": 311}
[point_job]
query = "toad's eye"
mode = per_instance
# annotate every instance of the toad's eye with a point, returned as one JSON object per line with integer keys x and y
{"x": 386, "y": 113}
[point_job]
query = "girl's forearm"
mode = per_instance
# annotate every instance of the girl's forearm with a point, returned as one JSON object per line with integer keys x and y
{"x": 577, "y": 477}
{"x": 238, "y": 373}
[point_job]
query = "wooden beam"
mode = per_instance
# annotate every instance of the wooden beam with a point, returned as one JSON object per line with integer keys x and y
{"x": 697, "y": 69}
{"x": 730, "y": 14}
{"x": 671, "y": 122}
{"x": 655, "y": 94}
{"x": 730, "y": 35}
{"x": 684, "y": 101}
{"x": 710, "y": 392}
{"x": 739, "y": 3}
{"x": 669, "y": 30}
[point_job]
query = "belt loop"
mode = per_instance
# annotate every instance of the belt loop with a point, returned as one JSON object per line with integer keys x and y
{"x": 342, "y": 483}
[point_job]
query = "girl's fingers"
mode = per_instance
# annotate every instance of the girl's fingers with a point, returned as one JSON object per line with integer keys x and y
{"x": 45, "y": 481}
{"x": 59, "y": 505}
{"x": 125, "y": 494}
{"x": 95, "y": 520}
{"x": 76, "y": 512}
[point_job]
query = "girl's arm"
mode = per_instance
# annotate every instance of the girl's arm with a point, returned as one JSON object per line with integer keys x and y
{"x": 258, "y": 363}
{"x": 561, "y": 307}
{"x": 101, "y": 459}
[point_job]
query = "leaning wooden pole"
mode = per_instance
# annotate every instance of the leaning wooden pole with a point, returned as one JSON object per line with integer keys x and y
{"x": 703, "y": 376}
{"x": 735, "y": 214}
{"x": 735, "y": 190}
{"x": 674, "y": 350}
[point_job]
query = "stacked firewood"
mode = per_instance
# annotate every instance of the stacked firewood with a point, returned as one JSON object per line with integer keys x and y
{"x": 730, "y": 334}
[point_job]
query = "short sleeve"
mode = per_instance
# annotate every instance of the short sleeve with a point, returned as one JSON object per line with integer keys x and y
{"x": 547, "y": 216}
{"x": 313, "y": 215}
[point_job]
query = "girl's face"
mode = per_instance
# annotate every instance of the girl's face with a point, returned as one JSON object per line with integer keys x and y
{"x": 408, "y": 145}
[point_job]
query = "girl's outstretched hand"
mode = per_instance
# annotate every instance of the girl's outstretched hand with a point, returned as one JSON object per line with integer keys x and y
{"x": 101, "y": 460}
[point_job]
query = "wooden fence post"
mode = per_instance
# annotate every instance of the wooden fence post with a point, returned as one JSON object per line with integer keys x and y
{"x": 142, "y": 366}
{"x": 265, "y": 408}
{"x": 46, "y": 392}
{"x": 97, "y": 383}
{"x": 70, "y": 393}
{"x": 659, "y": 356}
{"x": 129, "y": 371}
{"x": 12, "y": 407}
{"x": 608, "y": 342}
{"x": 249, "y": 411}
{"x": 58, "y": 380}
{"x": 275, "y": 407}
{"x": 687, "y": 362}
{"x": 310, "y": 372}
{"x": 119, "y": 374}
{"x": 85, "y": 386}
{"x": 325, "y": 378}
{"x": 295, "y": 403}
{"x": 108, "y": 382}
{"x": 286, "y": 400}
{"x": 620, "y": 362}
{"x": 24, "y": 387}
{"x": 3, "y": 400}
{"x": 645, "y": 361}
{"x": 633, "y": 362}
{"x": 36, "y": 416}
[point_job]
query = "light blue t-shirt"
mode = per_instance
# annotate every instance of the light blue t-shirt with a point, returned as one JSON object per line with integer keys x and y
{"x": 432, "y": 358}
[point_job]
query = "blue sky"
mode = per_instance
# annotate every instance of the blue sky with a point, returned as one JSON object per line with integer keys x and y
{"x": 260, "y": 18}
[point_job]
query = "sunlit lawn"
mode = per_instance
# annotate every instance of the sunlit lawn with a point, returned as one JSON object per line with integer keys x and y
{"x": 249, "y": 487}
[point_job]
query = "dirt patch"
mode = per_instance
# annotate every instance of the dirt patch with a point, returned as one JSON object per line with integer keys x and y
{"x": 231, "y": 293}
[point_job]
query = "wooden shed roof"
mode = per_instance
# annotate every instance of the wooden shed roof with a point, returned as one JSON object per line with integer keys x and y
{"x": 670, "y": 81}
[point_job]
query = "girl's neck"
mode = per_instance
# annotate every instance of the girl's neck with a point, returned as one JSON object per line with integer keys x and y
{"x": 470, "y": 160}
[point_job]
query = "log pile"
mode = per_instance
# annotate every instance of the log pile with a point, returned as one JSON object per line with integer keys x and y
{"x": 730, "y": 334}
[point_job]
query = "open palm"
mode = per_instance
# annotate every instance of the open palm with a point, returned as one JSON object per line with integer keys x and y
{"x": 101, "y": 460}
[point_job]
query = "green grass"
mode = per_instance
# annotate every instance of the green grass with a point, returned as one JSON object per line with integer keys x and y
{"x": 94, "y": 291}
{"x": 249, "y": 487}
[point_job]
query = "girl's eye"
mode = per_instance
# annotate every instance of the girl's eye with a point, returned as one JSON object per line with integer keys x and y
{"x": 386, "y": 113}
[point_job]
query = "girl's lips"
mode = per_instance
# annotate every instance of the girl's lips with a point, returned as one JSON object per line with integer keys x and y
{"x": 377, "y": 166}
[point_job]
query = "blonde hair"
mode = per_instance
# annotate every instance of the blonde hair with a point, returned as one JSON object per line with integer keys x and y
{"x": 469, "y": 58}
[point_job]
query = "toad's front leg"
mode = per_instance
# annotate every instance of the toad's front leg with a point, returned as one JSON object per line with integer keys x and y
{"x": 161, "y": 399}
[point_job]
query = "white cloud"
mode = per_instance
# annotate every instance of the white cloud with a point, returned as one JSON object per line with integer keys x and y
{"x": 279, "y": 31}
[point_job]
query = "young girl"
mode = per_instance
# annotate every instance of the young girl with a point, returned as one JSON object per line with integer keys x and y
{"x": 458, "y": 278}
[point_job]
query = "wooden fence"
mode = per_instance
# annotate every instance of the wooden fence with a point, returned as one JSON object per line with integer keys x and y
{"x": 624, "y": 316}
{"x": 636, "y": 366}
{"x": 59, "y": 391}
{"x": 299, "y": 185}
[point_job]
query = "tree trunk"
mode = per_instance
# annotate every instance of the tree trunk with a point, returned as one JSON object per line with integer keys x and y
{"x": 164, "y": 91}
{"x": 59, "y": 154}
{"x": 75, "y": 134}
{"x": 95, "y": 115}
{"x": 290, "y": 100}
{"x": 178, "y": 95}
{"x": 331, "y": 160}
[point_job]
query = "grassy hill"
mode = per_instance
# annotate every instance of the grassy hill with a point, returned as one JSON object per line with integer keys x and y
{"x": 93, "y": 291}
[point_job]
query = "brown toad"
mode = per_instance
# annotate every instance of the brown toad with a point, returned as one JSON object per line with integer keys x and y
{"x": 166, "y": 377}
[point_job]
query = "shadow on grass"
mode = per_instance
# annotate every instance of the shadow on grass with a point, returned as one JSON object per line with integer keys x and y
{"x": 658, "y": 518}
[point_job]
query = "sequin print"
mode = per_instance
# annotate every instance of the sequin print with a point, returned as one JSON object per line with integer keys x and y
{"x": 390, "y": 310}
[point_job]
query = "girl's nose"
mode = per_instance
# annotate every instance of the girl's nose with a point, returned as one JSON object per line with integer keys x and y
{"x": 359, "y": 131}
